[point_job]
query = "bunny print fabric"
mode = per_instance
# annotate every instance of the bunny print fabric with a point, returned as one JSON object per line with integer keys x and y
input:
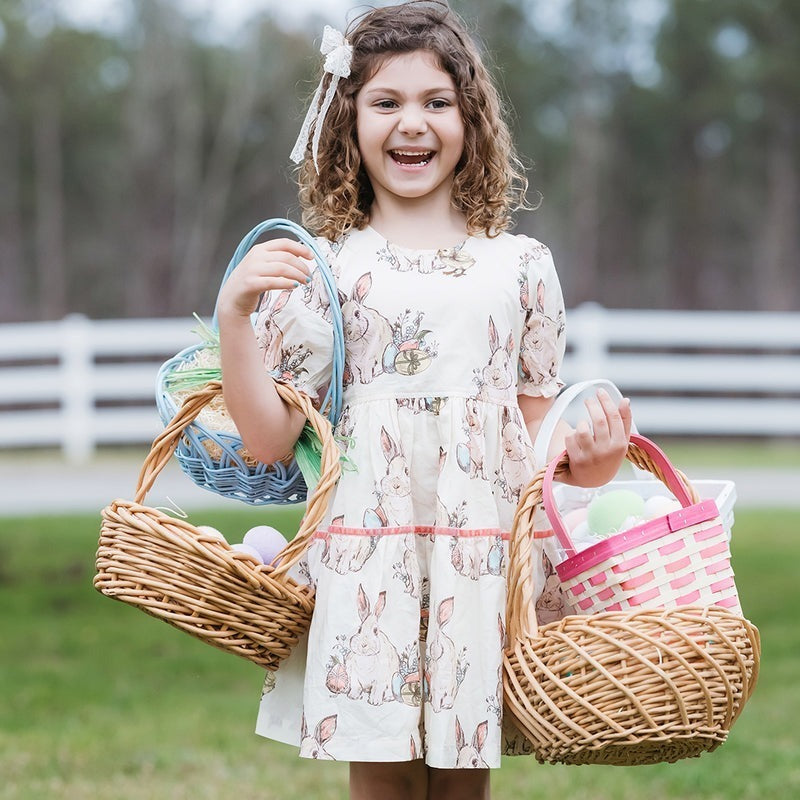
{"x": 403, "y": 658}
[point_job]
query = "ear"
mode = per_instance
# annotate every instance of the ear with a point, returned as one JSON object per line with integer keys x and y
{"x": 510, "y": 343}
{"x": 494, "y": 339}
{"x": 445, "y": 611}
{"x": 325, "y": 729}
{"x": 303, "y": 727}
{"x": 362, "y": 287}
{"x": 363, "y": 603}
{"x": 390, "y": 449}
{"x": 281, "y": 300}
{"x": 479, "y": 738}
{"x": 379, "y": 605}
{"x": 460, "y": 740}
{"x": 540, "y": 296}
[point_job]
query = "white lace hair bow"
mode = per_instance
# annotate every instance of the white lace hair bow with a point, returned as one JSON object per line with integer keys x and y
{"x": 338, "y": 54}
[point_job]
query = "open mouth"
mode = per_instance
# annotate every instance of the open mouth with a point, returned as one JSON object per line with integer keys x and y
{"x": 412, "y": 158}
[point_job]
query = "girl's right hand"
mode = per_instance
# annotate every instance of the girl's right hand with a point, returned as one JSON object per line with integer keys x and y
{"x": 276, "y": 264}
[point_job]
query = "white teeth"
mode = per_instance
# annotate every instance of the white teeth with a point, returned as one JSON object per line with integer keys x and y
{"x": 412, "y": 153}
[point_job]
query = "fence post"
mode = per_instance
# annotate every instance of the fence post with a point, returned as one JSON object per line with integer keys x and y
{"x": 77, "y": 404}
{"x": 587, "y": 334}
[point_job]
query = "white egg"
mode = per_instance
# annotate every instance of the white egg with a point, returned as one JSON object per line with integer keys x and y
{"x": 660, "y": 505}
{"x": 582, "y": 537}
{"x": 248, "y": 550}
{"x": 268, "y": 541}
{"x": 209, "y": 531}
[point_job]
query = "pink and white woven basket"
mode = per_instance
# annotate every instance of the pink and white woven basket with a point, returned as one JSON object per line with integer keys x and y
{"x": 679, "y": 559}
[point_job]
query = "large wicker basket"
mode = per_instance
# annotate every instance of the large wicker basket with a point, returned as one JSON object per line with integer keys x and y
{"x": 621, "y": 687}
{"x": 198, "y": 583}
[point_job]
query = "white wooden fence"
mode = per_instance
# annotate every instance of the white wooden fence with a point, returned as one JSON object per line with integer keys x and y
{"x": 76, "y": 384}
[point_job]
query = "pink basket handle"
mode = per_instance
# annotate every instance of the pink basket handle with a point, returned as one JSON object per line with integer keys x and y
{"x": 668, "y": 474}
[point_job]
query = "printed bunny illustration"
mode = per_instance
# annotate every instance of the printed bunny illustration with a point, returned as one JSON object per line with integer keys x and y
{"x": 445, "y": 670}
{"x": 344, "y": 554}
{"x": 495, "y": 701}
{"x": 315, "y": 296}
{"x": 471, "y": 454}
{"x": 393, "y": 490}
{"x": 470, "y": 755}
{"x": 372, "y": 660}
{"x": 314, "y": 746}
{"x": 540, "y": 340}
{"x": 268, "y": 335}
{"x": 476, "y": 556}
{"x": 552, "y": 604}
{"x": 407, "y": 570}
{"x": 366, "y": 333}
{"x": 515, "y": 471}
{"x": 496, "y": 379}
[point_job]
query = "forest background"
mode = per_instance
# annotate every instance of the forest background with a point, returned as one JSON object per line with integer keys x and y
{"x": 661, "y": 138}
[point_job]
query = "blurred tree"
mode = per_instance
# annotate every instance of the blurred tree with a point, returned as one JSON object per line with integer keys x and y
{"x": 662, "y": 137}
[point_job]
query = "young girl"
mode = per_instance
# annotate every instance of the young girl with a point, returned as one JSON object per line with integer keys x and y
{"x": 454, "y": 336}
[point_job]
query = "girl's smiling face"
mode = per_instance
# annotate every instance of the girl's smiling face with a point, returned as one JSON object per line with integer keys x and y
{"x": 409, "y": 127}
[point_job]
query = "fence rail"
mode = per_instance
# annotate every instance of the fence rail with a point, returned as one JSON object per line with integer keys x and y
{"x": 77, "y": 384}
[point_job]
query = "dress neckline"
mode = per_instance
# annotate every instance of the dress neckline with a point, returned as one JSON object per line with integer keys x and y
{"x": 418, "y": 250}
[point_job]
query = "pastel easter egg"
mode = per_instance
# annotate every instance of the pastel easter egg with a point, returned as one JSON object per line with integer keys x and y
{"x": 268, "y": 541}
{"x": 209, "y": 531}
{"x": 574, "y": 518}
{"x": 608, "y": 511}
{"x": 660, "y": 505}
{"x": 247, "y": 550}
{"x": 582, "y": 537}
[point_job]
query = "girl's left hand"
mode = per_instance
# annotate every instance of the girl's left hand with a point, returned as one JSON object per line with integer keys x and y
{"x": 597, "y": 450}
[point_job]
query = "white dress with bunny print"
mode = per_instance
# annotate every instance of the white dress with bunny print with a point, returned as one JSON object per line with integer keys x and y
{"x": 403, "y": 658}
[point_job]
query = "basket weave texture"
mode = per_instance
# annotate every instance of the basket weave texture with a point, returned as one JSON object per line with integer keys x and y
{"x": 215, "y": 458}
{"x": 682, "y": 558}
{"x": 198, "y": 583}
{"x": 620, "y": 687}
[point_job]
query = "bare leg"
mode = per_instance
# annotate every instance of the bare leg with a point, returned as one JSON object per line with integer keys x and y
{"x": 458, "y": 784}
{"x": 401, "y": 780}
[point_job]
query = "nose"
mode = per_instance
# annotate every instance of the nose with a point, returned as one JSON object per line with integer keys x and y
{"x": 412, "y": 120}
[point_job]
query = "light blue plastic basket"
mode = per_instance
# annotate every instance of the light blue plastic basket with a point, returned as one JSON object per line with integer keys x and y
{"x": 229, "y": 474}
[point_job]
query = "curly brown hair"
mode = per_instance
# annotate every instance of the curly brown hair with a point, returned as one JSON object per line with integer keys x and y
{"x": 489, "y": 181}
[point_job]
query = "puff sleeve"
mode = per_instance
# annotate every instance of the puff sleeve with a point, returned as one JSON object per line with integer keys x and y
{"x": 295, "y": 335}
{"x": 542, "y": 342}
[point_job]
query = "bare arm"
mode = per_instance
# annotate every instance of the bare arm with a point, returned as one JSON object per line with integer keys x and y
{"x": 268, "y": 427}
{"x": 595, "y": 450}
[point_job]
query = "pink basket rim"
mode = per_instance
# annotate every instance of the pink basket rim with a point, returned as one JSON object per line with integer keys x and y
{"x": 641, "y": 534}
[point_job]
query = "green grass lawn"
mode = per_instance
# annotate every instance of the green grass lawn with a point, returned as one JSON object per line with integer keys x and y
{"x": 101, "y": 701}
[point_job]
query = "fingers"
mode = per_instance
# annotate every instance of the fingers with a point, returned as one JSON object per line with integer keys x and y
{"x": 278, "y": 264}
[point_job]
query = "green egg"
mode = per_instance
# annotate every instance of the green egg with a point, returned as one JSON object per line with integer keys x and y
{"x": 608, "y": 511}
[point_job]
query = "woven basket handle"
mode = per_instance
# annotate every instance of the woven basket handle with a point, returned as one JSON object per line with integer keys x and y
{"x": 333, "y": 397}
{"x": 165, "y": 443}
{"x": 642, "y": 452}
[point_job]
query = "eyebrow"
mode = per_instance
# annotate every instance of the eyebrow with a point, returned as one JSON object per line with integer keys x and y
{"x": 389, "y": 90}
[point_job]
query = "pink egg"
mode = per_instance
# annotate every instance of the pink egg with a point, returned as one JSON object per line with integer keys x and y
{"x": 267, "y": 540}
{"x": 574, "y": 518}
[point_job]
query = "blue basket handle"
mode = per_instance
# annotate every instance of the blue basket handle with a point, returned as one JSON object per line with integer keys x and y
{"x": 333, "y": 397}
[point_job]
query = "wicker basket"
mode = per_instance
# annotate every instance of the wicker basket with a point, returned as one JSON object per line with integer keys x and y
{"x": 216, "y": 460}
{"x": 621, "y": 687}
{"x": 198, "y": 583}
{"x": 678, "y": 559}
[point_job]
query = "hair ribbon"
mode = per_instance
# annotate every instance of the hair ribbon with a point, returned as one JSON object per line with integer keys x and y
{"x": 338, "y": 54}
